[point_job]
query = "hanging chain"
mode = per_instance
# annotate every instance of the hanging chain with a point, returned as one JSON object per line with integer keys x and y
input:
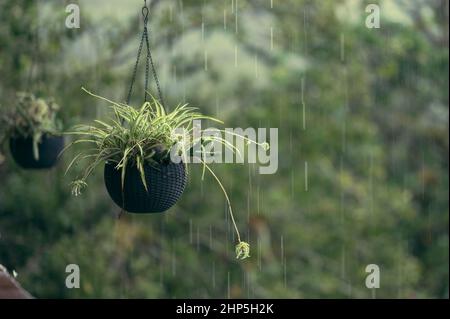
{"x": 133, "y": 78}
{"x": 149, "y": 61}
{"x": 155, "y": 76}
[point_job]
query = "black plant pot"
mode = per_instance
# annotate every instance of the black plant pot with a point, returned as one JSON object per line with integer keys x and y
{"x": 49, "y": 148}
{"x": 165, "y": 184}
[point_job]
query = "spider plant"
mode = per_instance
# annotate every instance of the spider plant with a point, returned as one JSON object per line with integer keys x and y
{"x": 30, "y": 117}
{"x": 133, "y": 137}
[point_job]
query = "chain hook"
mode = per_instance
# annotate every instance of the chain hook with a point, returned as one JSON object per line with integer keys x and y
{"x": 145, "y": 11}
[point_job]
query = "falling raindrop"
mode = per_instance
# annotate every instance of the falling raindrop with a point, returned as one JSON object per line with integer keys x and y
{"x": 305, "y": 33}
{"x": 344, "y": 136}
{"x": 258, "y": 199}
{"x": 190, "y": 231}
{"x": 282, "y": 248}
{"x": 248, "y": 234}
{"x": 174, "y": 260}
{"x": 175, "y": 76}
{"x": 256, "y": 66}
{"x": 371, "y": 184}
{"x": 259, "y": 252}
{"x": 161, "y": 273}
{"x": 400, "y": 278}
{"x": 211, "y": 237}
{"x": 203, "y": 31}
{"x": 249, "y": 283}
{"x": 293, "y": 170}
{"x": 341, "y": 190}
{"x": 253, "y": 290}
{"x": 250, "y": 180}
{"x": 228, "y": 228}
{"x": 214, "y": 274}
{"x": 343, "y": 263}
{"x": 198, "y": 238}
{"x": 423, "y": 165}
{"x": 225, "y": 19}
{"x": 202, "y": 192}
{"x": 346, "y": 94}
{"x": 166, "y": 218}
{"x": 248, "y": 206}
{"x": 228, "y": 286}
{"x": 236, "y": 18}
{"x": 291, "y": 149}
{"x": 292, "y": 183}
{"x": 182, "y": 15}
{"x": 306, "y": 176}
{"x": 303, "y": 102}
{"x": 271, "y": 38}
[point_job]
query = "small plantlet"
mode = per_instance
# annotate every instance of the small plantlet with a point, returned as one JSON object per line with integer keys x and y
{"x": 137, "y": 142}
{"x": 77, "y": 187}
{"x": 242, "y": 250}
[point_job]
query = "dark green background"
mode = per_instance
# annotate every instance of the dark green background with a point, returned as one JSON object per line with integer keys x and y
{"x": 375, "y": 142}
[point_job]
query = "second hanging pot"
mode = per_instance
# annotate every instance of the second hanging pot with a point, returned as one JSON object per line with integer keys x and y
{"x": 48, "y": 148}
{"x": 165, "y": 184}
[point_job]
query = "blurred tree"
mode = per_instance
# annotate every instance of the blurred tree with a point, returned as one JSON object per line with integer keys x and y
{"x": 363, "y": 152}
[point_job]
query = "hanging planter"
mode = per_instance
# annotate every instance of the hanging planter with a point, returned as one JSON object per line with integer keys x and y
{"x": 48, "y": 149}
{"x": 137, "y": 148}
{"x": 145, "y": 151}
{"x": 165, "y": 185}
{"x": 33, "y": 132}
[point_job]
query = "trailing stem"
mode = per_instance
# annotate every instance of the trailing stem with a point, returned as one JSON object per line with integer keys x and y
{"x": 242, "y": 248}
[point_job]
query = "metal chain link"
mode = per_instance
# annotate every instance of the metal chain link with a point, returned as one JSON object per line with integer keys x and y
{"x": 149, "y": 61}
{"x": 150, "y": 58}
{"x": 133, "y": 78}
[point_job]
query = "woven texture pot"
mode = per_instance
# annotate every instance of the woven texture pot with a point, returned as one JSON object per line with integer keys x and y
{"x": 165, "y": 184}
{"x": 49, "y": 149}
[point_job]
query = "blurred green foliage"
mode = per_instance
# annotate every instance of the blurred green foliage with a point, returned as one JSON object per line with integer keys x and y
{"x": 364, "y": 110}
